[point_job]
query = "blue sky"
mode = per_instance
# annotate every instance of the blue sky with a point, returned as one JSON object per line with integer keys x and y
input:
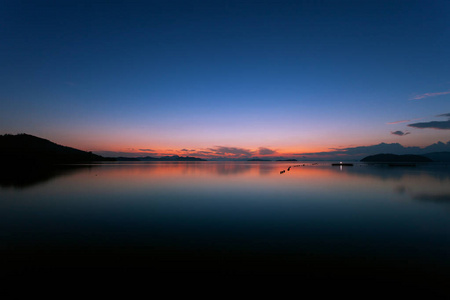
{"x": 290, "y": 76}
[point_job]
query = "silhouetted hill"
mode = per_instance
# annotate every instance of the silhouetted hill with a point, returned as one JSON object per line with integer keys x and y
{"x": 28, "y": 149}
{"x": 286, "y": 160}
{"x": 439, "y": 156}
{"x": 384, "y": 157}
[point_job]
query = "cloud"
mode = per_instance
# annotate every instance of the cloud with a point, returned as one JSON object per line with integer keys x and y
{"x": 400, "y": 133}
{"x": 224, "y": 152}
{"x": 231, "y": 151}
{"x": 197, "y": 153}
{"x": 204, "y": 152}
{"x": 217, "y": 152}
{"x": 120, "y": 154}
{"x": 433, "y": 125}
{"x": 266, "y": 151}
{"x": 397, "y": 122}
{"x": 403, "y": 121}
{"x": 426, "y": 95}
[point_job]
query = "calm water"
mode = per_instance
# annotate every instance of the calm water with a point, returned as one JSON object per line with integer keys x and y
{"x": 230, "y": 218}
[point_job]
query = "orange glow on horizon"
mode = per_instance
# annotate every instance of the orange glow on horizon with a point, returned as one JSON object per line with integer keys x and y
{"x": 130, "y": 145}
{"x": 210, "y": 152}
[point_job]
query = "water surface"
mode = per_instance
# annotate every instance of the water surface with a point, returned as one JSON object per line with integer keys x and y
{"x": 315, "y": 221}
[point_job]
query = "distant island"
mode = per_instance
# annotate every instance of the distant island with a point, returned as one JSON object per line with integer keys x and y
{"x": 163, "y": 158}
{"x": 394, "y": 158}
{"x": 32, "y": 150}
{"x": 438, "y": 156}
{"x": 262, "y": 159}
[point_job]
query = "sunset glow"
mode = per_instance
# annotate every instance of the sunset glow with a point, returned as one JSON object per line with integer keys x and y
{"x": 226, "y": 79}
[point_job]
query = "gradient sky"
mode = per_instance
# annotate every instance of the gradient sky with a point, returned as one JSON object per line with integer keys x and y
{"x": 225, "y": 77}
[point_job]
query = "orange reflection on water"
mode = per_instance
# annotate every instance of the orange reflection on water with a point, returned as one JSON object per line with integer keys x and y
{"x": 220, "y": 175}
{"x": 302, "y": 180}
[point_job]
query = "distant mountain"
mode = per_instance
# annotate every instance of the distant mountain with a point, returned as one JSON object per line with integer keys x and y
{"x": 286, "y": 160}
{"x": 439, "y": 156}
{"x": 384, "y": 157}
{"x": 29, "y": 149}
{"x": 121, "y": 158}
{"x": 164, "y": 158}
{"x": 172, "y": 158}
{"x": 358, "y": 152}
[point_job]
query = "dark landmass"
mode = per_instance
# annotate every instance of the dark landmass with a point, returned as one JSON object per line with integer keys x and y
{"x": 26, "y": 149}
{"x": 258, "y": 159}
{"x": 394, "y": 158}
{"x": 438, "y": 156}
{"x": 164, "y": 158}
{"x": 286, "y": 160}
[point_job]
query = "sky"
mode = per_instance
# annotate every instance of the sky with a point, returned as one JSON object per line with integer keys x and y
{"x": 226, "y": 78}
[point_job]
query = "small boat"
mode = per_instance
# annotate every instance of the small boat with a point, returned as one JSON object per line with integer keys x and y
{"x": 343, "y": 164}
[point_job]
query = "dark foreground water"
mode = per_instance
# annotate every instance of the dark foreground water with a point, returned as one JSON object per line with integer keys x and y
{"x": 377, "y": 224}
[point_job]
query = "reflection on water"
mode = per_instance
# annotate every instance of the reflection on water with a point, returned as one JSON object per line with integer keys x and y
{"x": 438, "y": 198}
{"x": 239, "y": 217}
{"x": 24, "y": 177}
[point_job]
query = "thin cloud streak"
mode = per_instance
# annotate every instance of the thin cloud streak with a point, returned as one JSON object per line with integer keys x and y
{"x": 403, "y": 121}
{"x": 427, "y": 95}
{"x": 398, "y": 122}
